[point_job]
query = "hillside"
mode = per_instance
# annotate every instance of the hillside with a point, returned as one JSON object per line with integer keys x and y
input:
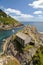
{"x": 8, "y": 20}
{"x": 8, "y": 60}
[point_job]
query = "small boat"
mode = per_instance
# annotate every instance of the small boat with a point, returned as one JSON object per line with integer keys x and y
{"x": 13, "y": 30}
{"x": 4, "y": 40}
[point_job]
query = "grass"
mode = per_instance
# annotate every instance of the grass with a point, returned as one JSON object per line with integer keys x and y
{"x": 27, "y": 47}
{"x": 39, "y": 55}
{"x": 3, "y": 55}
{"x": 14, "y": 38}
{"x": 41, "y": 58}
{"x": 10, "y": 60}
{"x": 7, "y": 20}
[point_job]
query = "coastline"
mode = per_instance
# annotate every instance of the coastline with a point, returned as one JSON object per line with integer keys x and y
{"x": 9, "y": 28}
{"x": 5, "y": 41}
{"x": 8, "y": 39}
{"x": 32, "y": 50}
{"x": 41, "y": 32}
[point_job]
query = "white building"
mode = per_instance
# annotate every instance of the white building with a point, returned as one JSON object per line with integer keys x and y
{"x": 23, "y": 38}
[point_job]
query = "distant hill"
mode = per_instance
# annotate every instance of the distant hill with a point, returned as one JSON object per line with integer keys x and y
{"x": 7, "y": 20}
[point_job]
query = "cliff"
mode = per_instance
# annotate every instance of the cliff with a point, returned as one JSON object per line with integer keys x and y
{"x": 26, "y": 54}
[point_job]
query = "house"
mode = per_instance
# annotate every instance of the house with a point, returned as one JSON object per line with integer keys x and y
{"x": 22, "y": 38}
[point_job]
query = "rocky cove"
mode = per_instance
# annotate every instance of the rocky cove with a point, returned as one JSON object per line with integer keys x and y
{"x": 7, "y": 33}
{"x": 24, "y": 54}
{"x": 19, "y": 44}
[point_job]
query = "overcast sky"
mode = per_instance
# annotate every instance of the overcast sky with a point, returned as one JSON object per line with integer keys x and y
{"x": 23, "y": 10}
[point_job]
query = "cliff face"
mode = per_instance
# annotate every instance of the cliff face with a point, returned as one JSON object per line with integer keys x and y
{"x": 33, "y": 33}
{"x": 8, "y": 60}
{"x": 25, "y": 54}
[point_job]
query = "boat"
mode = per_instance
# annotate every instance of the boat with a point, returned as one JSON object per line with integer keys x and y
{"x": 13, "y": 30}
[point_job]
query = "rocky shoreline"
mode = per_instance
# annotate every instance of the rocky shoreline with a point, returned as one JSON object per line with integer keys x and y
{"x": 7, "y": 27}
{"x": 24, "y": 55}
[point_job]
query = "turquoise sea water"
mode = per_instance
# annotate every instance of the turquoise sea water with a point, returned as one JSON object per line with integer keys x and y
{"x": 7, "y": 33}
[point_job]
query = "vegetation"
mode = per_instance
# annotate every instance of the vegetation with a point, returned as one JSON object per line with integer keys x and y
{"x": 38, "y": 58}
{"x": 27, "y": 47}
{"x": 13, "y": 38}
{"x": 12, "y": 62}
{"x": 7, "y": 20}
{"x": 9, "y": 60}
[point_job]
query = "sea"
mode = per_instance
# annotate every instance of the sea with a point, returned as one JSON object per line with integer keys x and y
{"x": 38, "y": 25}
{"x": 6, "y": 33}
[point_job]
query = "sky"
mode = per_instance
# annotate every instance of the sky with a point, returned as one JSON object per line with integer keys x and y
{"x": 23, "y": 10}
